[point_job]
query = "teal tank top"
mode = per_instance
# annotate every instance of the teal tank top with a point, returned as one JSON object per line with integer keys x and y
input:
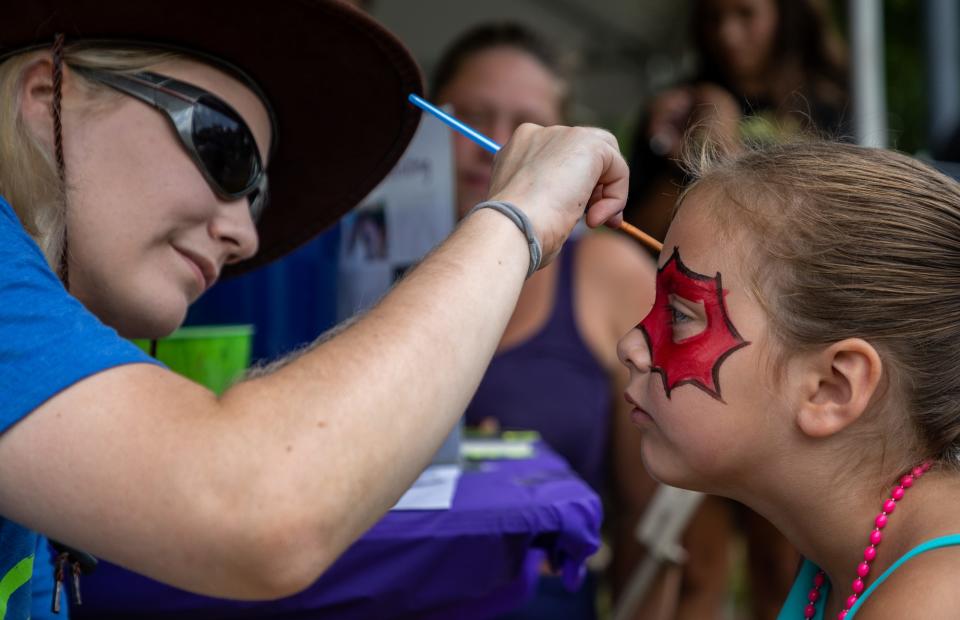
{"x": 797, "y": 599}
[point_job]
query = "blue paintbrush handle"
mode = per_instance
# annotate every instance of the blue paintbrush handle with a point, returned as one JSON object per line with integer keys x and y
{"x": 464, "y": 129}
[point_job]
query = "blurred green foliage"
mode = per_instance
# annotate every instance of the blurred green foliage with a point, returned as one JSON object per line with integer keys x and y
{"x": 905, "y": 74}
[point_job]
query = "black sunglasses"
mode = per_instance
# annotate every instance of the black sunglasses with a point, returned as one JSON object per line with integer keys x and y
{"x": 213, "y": 133}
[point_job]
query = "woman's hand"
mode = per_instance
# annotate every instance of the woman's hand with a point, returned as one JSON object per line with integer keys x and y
{"x": 716, "y": 116}
{"x": 669, "y": 118}
{"x": 554, "y": 173}
{"x": 704, "y": 110}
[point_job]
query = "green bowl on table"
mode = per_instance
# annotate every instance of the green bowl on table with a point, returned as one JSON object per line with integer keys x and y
{"x": 214, "y": 356}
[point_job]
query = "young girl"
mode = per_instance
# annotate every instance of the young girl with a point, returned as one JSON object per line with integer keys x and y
{"x": 801, "y": 358}
{"x": 766, "y": 70}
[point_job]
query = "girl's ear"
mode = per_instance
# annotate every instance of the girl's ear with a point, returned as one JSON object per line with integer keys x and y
{"x": 838, "y": 384}
{"x": 36, "y": 99}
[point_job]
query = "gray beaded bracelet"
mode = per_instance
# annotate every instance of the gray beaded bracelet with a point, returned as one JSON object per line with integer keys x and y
{"x": 519, "y": 218}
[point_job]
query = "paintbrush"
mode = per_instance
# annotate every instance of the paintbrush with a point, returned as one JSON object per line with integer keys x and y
{"x": 489, "y": 145}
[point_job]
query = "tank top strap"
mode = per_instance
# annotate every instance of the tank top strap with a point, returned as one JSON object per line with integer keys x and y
{"x": 797, "y": 597}
{"x": 935, "y": 543}
{"x": 562, "y": 316}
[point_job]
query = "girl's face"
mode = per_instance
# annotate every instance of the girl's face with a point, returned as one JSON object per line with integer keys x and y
{"x": 147, "y": 234}
{"x": 704, "y": 395}
{"x": 741, "y": 33}
{"x": 495, "y": 91}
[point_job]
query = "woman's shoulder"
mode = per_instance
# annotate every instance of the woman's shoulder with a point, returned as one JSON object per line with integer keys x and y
{"x": 616, "y": 269}
{"x": 613, "y": 258}
{"x": 615, "y": 284}
{"x": 7, "y": 214}
{"x": 17, "y": 247}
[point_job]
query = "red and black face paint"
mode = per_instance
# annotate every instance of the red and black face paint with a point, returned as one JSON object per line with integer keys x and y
{"x": 695, "y": 360}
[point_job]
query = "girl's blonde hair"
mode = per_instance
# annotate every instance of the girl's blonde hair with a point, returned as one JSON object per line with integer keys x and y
{"x": 857, "y": 242}
{"x": 28, "y": 171}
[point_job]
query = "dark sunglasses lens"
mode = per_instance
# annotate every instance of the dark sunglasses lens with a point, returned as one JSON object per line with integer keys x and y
{"x": 225, "y": 146}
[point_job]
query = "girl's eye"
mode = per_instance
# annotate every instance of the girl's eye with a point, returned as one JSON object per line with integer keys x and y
{"x": 685, "y": 321}
{"x": 677, "y": 317}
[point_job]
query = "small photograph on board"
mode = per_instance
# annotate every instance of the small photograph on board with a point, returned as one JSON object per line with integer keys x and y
{"x": 367, "y": 237}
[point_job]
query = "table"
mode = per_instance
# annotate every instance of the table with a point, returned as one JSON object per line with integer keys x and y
{"x": 476, "y": 560}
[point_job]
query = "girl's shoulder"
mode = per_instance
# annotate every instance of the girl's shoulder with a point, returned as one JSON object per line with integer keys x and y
{"x": 924, "y": 585}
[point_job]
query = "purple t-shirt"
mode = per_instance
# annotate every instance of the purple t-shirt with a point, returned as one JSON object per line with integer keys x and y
{"x": 552, "y": 383}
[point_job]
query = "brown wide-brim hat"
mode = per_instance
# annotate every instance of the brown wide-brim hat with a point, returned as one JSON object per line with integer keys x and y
{"x": 336, "y": 80}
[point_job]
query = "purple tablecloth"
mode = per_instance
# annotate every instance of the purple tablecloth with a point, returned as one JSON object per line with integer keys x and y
{"x": 476, "y": 560}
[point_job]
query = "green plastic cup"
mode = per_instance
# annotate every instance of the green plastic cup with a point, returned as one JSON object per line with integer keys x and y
{"x": 214, "y": 356}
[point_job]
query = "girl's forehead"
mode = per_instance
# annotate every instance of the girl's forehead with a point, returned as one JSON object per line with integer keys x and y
{"x": 705, "y": 245}
{"x": 710, "y": 250}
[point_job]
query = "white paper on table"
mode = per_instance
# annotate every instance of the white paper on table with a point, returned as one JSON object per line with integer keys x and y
{"x": 433, "y": 490}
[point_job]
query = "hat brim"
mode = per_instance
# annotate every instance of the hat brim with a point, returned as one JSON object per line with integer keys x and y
{"x": 336, "y": 79}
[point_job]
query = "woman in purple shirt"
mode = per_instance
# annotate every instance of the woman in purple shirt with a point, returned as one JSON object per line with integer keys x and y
{"x": 555, "y": 369}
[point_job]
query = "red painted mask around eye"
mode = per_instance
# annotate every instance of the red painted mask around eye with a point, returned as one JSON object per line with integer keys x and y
{"x": 695, "y": 360}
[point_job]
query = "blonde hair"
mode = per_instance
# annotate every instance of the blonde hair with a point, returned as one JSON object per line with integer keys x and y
{"x": 864, "y": 243}
{"x": 28, "y": 171}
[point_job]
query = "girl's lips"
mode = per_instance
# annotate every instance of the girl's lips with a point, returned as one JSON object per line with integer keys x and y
{"x": 638, "y": 415}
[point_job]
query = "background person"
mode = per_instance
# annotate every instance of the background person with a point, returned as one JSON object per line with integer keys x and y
{"x": 768, "y": 70}
{"x": 555, "y": 368}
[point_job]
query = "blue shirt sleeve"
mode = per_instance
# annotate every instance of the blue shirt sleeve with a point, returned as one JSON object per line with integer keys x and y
{"x": 48, "y": 339}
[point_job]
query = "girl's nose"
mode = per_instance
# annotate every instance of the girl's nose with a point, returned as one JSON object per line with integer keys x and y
{"x": 634, "y": 352}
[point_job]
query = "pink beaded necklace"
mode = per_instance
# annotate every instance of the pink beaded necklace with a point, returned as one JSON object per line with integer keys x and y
{"x": 870, "y": 553}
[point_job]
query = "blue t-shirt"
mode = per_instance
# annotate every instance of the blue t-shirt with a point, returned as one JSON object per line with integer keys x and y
{"x": 48, "y": 342}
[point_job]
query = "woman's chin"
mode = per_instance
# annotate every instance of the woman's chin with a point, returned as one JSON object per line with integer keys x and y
{"x": 147, "y": 332}
{"x": 155, "y": 323}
